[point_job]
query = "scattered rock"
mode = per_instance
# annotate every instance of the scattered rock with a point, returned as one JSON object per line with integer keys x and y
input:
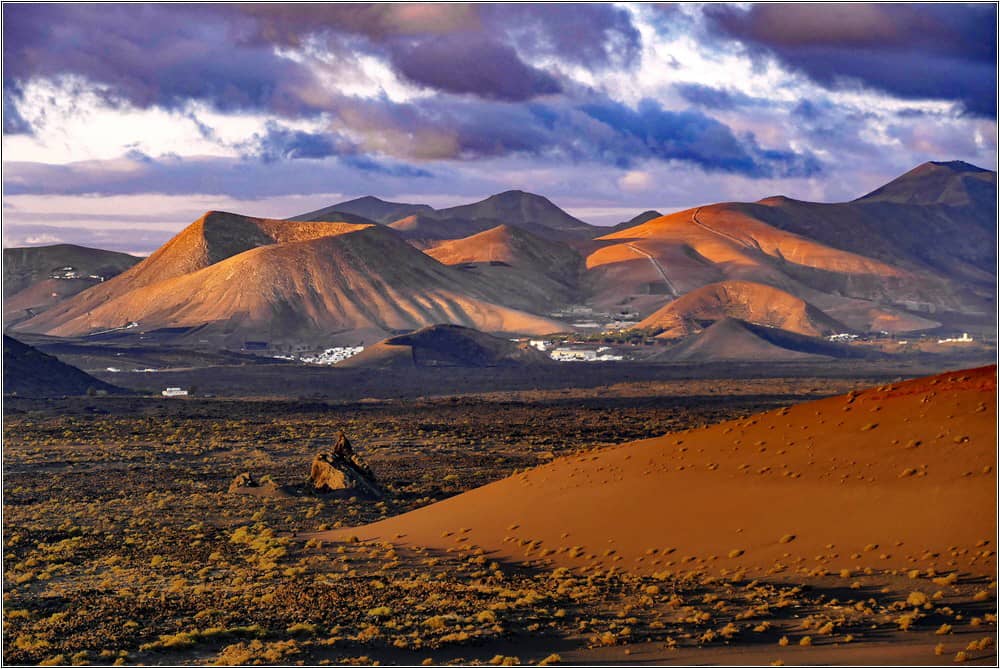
{"x": 342, "y": 470}
{"x": 246, "y": 484}
{"x": 244, "y": 480}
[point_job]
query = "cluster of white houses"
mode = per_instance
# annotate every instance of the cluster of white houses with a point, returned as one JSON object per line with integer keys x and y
{"x": 567, "y": 354}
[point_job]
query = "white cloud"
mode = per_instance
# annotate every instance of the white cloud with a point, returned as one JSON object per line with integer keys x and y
{"x": 636, "y": 181}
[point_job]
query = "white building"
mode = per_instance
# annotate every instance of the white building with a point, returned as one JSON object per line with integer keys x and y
{"x": 332, "y": 356}
{"x": 964, "y": 339}
{"x": 573, "y": 355}
{"x": 174, "y": 392}
{"x": 540, "y": 344}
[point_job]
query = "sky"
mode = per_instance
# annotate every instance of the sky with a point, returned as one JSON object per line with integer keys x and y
{"x": 124, "y": 123}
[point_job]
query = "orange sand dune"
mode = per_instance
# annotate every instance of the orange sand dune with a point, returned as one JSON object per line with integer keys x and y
{"x": 901, "y": 476}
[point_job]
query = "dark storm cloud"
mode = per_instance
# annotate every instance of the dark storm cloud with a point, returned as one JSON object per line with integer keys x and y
{"x": 224, "y": 55}
{"x": 281, "y": 143}
{"x": 401, "y": 170}
{"x": 913, "y": 51}
{"x": 465, "y": 63}
{"x": 689, "y": 136}
{"x": 289, "y": 23}
{"x": 594, "y": 35}
{"x": 150, "y": 55}
{"x": 600, "y": 131}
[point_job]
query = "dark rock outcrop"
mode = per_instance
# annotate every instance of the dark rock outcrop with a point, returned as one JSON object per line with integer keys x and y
{"x": 342, "y": 470}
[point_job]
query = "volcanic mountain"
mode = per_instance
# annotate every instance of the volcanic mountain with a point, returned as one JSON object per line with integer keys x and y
{"x": 228, "y": 278}
{"x": 638, "y": 219}
{"x": 548, "y": 271}
{"x": 36, "y": 277}
{"x": 420, "y": 222}
{"x": 892, "y": 260}
{"x": 425, "y": 231}
{"x": 672, "y": 255}
{"x": 745, "y": 300}
{"x": 446, "y": 346}
{"x": 733, "y": 340}
{"x": 532, "y": 212}
{"x": 954, "y": 183}
{"x": 30, "y": 373}
{"x": 887, "y": 478}
{"x": 370, "y": 208}
{"x": 938, "y": 218}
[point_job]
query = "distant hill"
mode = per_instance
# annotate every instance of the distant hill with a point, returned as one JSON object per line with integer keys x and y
{"x": 636, "y": 220}
{"x": 421, "y": 222}
{"x": 24, "y": 266}
{"x": 731, "y": 339}
{"x": 38, "y": 277}
{"x": 894, "y": 260}
{"x": 227, "y": 279}
{"x": 532, "y": 212}
{"x": 30, "y": 373}
{"x": 547, "y": 271}
{"x": 953, "y": 183}
{"x": 915, "y": 255}
{"x": 425, "y": 231}
{"x": 745, "y": 300}
{"x": 368, "y": 207}
{"x": 446, "y": 346}
{"x": 938, "y": 218}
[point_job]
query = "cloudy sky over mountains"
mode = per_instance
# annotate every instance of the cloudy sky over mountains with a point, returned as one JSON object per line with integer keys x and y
{"x": 122, "y": 123}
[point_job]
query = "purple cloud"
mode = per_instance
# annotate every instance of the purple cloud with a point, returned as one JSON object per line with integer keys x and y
{"x": 914, "y": 51}
{"x": 150, "y": 55}
{"x": 594, "y": 34}
{"x": 467, "y": 63}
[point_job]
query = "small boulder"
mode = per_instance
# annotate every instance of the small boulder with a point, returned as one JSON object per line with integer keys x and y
{"x": 246, "y": 484}
{"x": 244, "y": 480}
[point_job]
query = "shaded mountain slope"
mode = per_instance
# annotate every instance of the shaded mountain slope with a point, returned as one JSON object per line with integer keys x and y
{"x": 446, "y": 346}
{"x": 938, "y": 218}
{"x": 427, "y": 230}
{"x": 953, "y": 183}
{"x": 885, "y": 478}
{"x": 532, "y": 212}
{"x": 731, "y": 339}
{"x": 38, "y": 277}
{"x": 745, "y": 300}
{"x": 639, "y": 219}
{"x": 368, "y": 207}
{"x": 529, "y": 265}
{"x": 30, "y": 373}
{"x": 871, "y": 261}
{"x": 25, "y": 266}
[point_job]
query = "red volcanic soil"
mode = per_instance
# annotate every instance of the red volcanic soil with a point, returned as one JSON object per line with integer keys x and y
{"x": 900, "y": 476}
